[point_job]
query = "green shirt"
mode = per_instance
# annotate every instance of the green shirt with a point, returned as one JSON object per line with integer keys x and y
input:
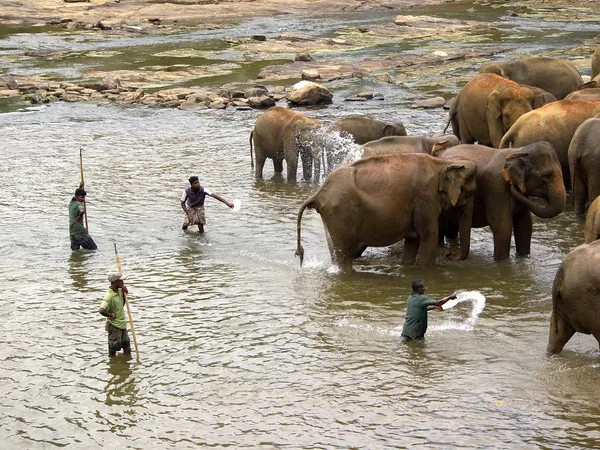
{"x": 75, "y": 227}
{"x": 415, "y": 324}
{"x": 113, "y": 303}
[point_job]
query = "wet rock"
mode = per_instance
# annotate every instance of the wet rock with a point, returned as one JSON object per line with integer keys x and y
{"x": 8, "y": 93}
{"x": 154, "y": 21}
{"x": 510, "y": 13}
{"x": 309, "y": 93}
{"x": 310, "y": 75}
{"x": 101, "y": 26}
{"x": 378, "y": 97}
{"x": 261, "y": 102}
{"x": 240, "y": 104}
{"x": 366, "y": 95}
{"x": 256, "y": 91}
{"x": 217, "y": 105}
{"x": 112, "y": 83}
{"x": 38, "y": 97}
{"x": 385, "y": 78}
{"x": 188, "y": 105}
{"x": 435, "y": 102}
{"x": 259, "y": 37}
{"x": 278, "y": 89}
{"x": 277, "y": 97}
{"x": 9, "y": 82}
{"x": 76, "y": 1}
{"x": 170, "y": 104}
{"x": 303, "y": 57}
{"x": 355, "y": 99}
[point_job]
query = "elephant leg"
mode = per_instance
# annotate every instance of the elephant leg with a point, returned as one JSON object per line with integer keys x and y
{"x": 428, "y": 248}
{"x": 307, "y": 166}
{"x": 411, "y": 247}
{"x": 579, "y": 192}
{"x": 593, "y": 189}
{"x": 465, "y": 135}
{"x": 523, "y": 228}
{"x": 560, "y": 333}
{"x": 502, "y": 233}
{"x": 278, "y": 164}
{"x": 451, "y": 230}
{"x": 260, "y": 164}
{"x": 292, "y": 169}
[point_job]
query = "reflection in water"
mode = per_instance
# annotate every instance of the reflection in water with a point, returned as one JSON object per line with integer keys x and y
{"x": 121, "y": 388}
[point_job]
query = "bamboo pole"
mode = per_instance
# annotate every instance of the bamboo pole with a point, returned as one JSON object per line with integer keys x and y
{"x": 137, "y": 352}
{"x": 87, "y": 228}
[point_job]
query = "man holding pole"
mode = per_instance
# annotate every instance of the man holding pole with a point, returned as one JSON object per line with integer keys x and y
{"x": 77, "y": 232}
{"x": 112, "y": 309}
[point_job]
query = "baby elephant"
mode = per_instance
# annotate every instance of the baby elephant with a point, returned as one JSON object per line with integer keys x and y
{"x": 408, "y": 144}
{"x": 584, "y": 164}
{"x": 364, "y": 129}
{"x": 592, "y": 222}
{"x": 575, "y": 297}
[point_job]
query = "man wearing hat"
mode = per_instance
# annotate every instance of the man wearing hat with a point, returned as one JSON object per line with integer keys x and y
{"x": 192, "y": 203}
{"x": 112, "y": 309}
{"x": 77, "y": 232}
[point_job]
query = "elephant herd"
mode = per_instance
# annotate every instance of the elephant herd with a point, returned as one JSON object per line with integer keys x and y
{"x": 528, "y": 129}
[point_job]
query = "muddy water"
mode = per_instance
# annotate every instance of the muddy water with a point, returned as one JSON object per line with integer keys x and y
{"x": 239, "y": 346}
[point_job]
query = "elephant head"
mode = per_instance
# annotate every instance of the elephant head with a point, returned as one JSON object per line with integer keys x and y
{"x": 534, "y": 171}
{"x": 393, "y": 129}
{"x": 308, "y": 145}
{"x": 506, "y": 104}
{"x": 457, "y": 186}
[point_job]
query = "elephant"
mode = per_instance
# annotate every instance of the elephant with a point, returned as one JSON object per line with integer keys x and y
{"x": 557, "y": 76}
{"x": 596, "y": 62}
{"x": 555, "y": 123}
{"x": 506, "y": 180}
{"x": 575, "y": 298}
{"x": 487, "y": 107}
{"x": 408, "y": 144}
{"x": 594, "y": 83}
{"x": 585, "y": 95}
{"x": 377, "y": 201}
{"x": 280, "y": 133}
{"x": 591, "y": 231}
{"x": 365, "y": 129}
{"x": 584, "y": 164}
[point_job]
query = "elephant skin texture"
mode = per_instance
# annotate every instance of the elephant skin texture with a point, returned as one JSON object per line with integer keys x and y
{"x": 555, "y": 123}
{"x": 408, "y": 144}
{"x": 557, "y": 76}
{"x": 584, "y": 164}
{"x": 365, "y": 129}
{"x": 488, "y": 106}
{"x": 591, "y": 232}
{"x": 505, "y": 181}
{"x": 575, "y": 298}
{"x": 282, "y": 134}
{"x": 596, "y": 62}
{"x": 585, "y": 95}
{"x": 359, "y": 205}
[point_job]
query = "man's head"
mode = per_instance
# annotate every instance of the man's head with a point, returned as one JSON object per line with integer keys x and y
{"x": 418, "y": 286}
{"x": 194, "y": 180}
{"x": 116, "y": 279}
{"x": 80, "y": 194}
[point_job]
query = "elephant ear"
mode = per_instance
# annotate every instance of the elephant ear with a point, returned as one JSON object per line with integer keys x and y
{"x": 516, "y": 168}
{"x": 389, "y": 130}
{"x": 539, "y": 99}
{"x": 451, "y": 182}
{"x": 493, "y": 107}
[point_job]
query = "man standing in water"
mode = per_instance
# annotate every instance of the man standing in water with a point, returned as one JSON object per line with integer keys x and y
{"x": 415, "y": 323}
{"x": 192, "y": 203}
{"x": 112, "y": 309}
{"x": 77, "y": 232}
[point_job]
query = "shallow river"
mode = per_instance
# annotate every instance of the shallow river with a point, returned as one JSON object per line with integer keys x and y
{"x": 239, "y": 346}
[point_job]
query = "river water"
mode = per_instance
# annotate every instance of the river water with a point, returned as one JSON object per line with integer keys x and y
{"x": 239, "y": 346}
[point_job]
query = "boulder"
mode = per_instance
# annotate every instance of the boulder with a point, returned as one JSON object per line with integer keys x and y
{"x": 304, "y": 57}
{"x": 310, "y": 75}
{"x": 262, "y": 102}
{"x": 435, "y": 102}
{"x": 309, "y": 93}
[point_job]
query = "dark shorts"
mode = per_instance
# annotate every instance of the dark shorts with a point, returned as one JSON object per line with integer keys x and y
{"x": 405, "y": 338}
{"x": 83, "y": 240}
{"x": 117, "y": 338}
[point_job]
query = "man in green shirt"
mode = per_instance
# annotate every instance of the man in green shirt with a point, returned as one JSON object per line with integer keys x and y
{"x": 415, "y": 323}
{"x": 112, "y": 309}
{"x": 77, "y": 232}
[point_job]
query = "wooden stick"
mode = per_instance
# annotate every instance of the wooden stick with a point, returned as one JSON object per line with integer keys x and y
{"x": 87, "y": 228}
{"x": 137, "y": 352}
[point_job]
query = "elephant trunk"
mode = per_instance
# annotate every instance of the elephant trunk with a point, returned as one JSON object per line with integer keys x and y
{"x": 555, "y": 200}
{"x": 465, "y": 224}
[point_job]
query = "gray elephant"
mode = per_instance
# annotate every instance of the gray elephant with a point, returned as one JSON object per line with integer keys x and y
{"x": 557, "y": 76}
{"x": 282, "y": 134}
{"x": 365, "y": 129}
{"x": 359, "y": 205}
{"x": 584, "y": 164}
{"x": 506, "y": 180}
{"x": 575, "y": 297}
{"x": 591, "y": 232}
{"x": 555, "y": 123}
{"x": 585, "y": 95}
{"x": 596, "y": 62}
{"x": 487, "y": 107}
{"x": 408, "y": 144}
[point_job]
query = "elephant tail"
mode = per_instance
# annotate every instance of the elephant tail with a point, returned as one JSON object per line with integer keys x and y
{"x": 558, "y": 279}
{"x": 310, "y": 203}
{"x": 452, "y": 117}
{"x": 251, "y": 157}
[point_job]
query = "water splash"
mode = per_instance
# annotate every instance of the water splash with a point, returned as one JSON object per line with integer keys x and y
{"x": 478, "y": 303}
{"x": 335, "y": 149}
